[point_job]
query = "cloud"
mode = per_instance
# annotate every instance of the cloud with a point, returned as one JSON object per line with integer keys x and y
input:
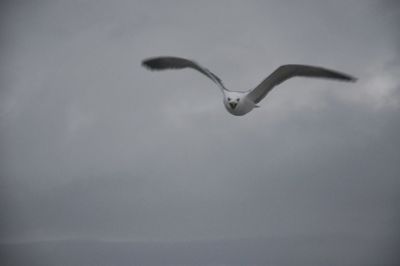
{"x": 94, "y": 145}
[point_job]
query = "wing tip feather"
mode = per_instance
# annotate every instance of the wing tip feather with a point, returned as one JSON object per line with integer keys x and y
{"x": 150, "y": 64}
{"x": 348, "y": 78}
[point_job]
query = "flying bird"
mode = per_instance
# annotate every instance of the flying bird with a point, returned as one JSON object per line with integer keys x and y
{"x": 240, "y": 103}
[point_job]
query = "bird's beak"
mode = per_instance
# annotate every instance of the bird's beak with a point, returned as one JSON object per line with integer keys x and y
{"x": 232, "y": 105}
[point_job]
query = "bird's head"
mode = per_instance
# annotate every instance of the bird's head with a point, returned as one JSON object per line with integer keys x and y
{"x": 232, "y": 99}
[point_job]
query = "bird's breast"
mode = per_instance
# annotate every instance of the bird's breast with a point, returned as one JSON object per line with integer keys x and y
{"x": 240, "y": 109}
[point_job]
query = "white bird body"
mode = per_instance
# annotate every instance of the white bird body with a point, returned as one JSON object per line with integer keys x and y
{"x": 240, "y": 103}
{"x": 237, "y": 103}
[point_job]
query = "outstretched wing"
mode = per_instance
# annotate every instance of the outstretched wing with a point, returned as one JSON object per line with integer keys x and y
{"x": 169, "y": 62}
{"x": 285, "y": 72}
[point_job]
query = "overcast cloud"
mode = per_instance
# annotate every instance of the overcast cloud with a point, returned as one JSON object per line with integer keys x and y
{"x": 93, "y": 146}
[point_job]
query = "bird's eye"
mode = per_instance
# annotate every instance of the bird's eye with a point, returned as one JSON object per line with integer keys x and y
{"x": 229, "y": 99}
{"x": 237, "y": 99}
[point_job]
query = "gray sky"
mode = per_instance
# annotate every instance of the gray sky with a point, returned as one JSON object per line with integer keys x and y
{"x": 94, "y": 146}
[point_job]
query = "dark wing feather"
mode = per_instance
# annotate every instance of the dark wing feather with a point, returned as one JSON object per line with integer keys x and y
{"x": 285, "y": 72}
{"x": 169, "y": 62}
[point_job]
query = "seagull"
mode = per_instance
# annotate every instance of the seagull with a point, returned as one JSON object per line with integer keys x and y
{"x": 240, "y": 103}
